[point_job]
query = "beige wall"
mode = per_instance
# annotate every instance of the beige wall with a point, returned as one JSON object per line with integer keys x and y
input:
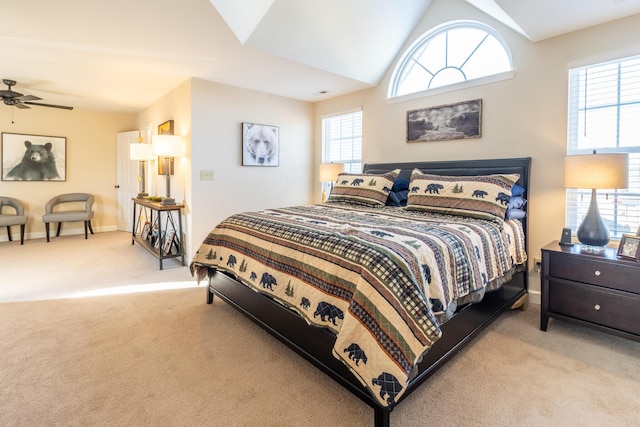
{"x": 176, "y": 106}
{"x": 209, "y": 117}
{"x": 218, "y": 113}
{"x": 522, "y": 117}
{"x": 90, "y": 166}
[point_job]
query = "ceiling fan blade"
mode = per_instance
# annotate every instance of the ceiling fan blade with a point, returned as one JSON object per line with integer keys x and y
{"x": 21, "y": 106}
{"x": 63, "y": 107}
{"x": 28, "y": 98}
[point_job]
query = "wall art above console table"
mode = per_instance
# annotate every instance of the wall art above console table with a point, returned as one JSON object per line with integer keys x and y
{"x": 158, "y": 229}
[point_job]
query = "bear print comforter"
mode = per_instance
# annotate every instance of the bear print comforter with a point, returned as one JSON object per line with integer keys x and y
{"x": 377, "y": 277}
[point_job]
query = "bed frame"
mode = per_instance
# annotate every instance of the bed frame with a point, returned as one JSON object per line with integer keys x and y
{"x": 316, "y": 344}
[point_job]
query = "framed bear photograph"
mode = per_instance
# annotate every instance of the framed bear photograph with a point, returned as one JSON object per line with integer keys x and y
{"x": 260, "y": 145}
{"x": 33, "y": 157}
{"x": 445, "y": 122}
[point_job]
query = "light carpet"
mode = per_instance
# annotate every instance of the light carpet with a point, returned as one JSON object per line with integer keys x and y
{"x": 166, "y": 358}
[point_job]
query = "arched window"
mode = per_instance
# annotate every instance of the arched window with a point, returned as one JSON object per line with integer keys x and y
{"x": 452, "y": 53}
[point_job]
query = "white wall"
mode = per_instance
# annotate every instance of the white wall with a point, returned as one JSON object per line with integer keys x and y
{"x": 176, "y": 106}
{"x": 525, "y": 116}
{"x": 209, "y": 117}
{"x": 218, "y": 112}
{"x": 90, "y": 166}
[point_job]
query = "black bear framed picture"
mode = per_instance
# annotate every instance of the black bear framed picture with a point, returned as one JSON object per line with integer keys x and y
{"x": 33, "y": 157}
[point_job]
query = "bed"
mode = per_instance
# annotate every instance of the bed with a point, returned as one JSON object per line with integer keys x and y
{"x": 360, "y": 291}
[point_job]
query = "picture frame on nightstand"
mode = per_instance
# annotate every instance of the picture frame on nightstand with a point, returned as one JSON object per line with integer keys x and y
{"x": 629, "y": 247}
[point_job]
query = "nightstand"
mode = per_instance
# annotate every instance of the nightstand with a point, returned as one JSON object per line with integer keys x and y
{"x": 600, "y": 291}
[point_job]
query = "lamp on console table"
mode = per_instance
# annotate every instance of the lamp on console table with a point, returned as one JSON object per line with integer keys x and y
{"x": 168, "y": 147}
{"x": 142, "y": 153}
{"x": 329, "y": 173}
{"x": 597, "y": 172}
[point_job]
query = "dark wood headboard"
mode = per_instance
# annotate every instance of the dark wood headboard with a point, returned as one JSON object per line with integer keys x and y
{"x": 520, "y": 166}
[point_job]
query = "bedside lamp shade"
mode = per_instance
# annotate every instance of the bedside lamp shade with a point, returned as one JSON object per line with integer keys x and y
{"x": 596, "y": 171}
{"x": 142, "y": 153}
{"x": 167, "y": 146}
{"x": 329, "y": 173}
{"x": 599, "y": 171}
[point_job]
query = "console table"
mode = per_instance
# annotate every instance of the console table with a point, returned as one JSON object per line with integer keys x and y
{"x": 156, "y": 229}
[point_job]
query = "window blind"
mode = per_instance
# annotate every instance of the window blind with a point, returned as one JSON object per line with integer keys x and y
{"x": 342, "y": 140}
{"x": 604, "y": 115}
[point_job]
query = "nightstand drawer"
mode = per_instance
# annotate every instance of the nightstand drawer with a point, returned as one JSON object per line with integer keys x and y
{"x": 618, "y": 310}
{"x": 594, "y": 271}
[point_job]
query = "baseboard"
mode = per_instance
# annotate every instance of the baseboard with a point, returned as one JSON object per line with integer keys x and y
{"x": 534, "y": 297}
{"x": 43, "y": 235}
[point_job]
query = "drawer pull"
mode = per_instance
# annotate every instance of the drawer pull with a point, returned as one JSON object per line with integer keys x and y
{"x": 597, "y": 307}
{"x": 597, "y": 273}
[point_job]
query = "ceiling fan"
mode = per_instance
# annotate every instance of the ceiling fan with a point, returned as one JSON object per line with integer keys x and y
{"x": 18, "y": 100}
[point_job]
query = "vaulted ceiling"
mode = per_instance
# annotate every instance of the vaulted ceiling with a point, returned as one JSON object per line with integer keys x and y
{"x": 122, "y": 55}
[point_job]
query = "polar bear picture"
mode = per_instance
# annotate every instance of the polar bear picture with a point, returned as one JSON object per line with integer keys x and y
{"x": 260, "y": 145}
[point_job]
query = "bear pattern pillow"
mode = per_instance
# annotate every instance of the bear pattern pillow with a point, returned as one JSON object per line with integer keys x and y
{"x": 484, "y": 196}
{"x": 363, "y": 189}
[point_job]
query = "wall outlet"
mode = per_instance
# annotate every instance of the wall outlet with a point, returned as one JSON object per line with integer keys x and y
{"x": 537, "y": 264}
{"x": 206, "y": 175}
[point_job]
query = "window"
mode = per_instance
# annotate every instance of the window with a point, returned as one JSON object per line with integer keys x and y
{"x": 342, "y": 140}
{"x": 452, "y": 53}
{"x": 604, "y": 112}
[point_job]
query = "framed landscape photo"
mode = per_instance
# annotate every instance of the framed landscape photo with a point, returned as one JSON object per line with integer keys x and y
{"x": 33, "y": 157}
{"x": 260, "y": 145}
{"x": 453, "y": 121}
{"x": 168, "y": 241}
{"x": 159, "y": 238}
{"x": 629, "y": 247}
{"x": 166, "y": 128}
{"x": 146, "y": 229}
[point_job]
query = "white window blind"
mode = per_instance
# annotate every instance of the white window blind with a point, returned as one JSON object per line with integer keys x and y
{"x": 342, "y": 140}
{"x": 604, "y": 115}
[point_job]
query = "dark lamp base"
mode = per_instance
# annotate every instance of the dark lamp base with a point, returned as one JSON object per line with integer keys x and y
{"x": 593, "y": 231}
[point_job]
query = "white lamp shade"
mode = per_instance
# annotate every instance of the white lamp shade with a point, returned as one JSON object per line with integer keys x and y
{"x": 329, "y": 171}
{"x": 140, "y": 151}
{"x": 597, "y": 171}
{"x": 167, "y": 145}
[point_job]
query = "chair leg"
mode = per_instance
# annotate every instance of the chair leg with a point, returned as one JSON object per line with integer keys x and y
{"x": 85, "y": 230}
{"x": 59, "y": 228}
{"x": 46, "y": 225}
{"x": 9, "y": 232}
{"x": 90, "y": 228}
{"x": 22, "y": 234}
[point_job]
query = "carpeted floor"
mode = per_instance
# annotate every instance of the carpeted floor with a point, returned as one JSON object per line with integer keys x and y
{"x": 165, "y": 358}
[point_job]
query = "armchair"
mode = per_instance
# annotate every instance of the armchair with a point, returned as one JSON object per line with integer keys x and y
{"x": 9, "y": 219}
{"x": 61, "y": 216}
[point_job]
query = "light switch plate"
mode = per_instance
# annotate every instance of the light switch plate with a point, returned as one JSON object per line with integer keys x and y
{"x": 206, "y": 175}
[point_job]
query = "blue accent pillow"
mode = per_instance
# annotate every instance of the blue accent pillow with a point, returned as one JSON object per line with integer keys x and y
{"x": 515, "y": 214}
{"x": 399, "y": 193}
{"x": 517, "y": 190}
{"x": 514, "y": 208}
{"x": 516, "y": 202}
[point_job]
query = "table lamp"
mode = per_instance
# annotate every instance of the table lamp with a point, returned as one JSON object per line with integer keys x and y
{"x": 329, "y": 173}
{"x": 142, "y": 153}
{"x": 597, "y": 172}
{"x": 168, "y": 147}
